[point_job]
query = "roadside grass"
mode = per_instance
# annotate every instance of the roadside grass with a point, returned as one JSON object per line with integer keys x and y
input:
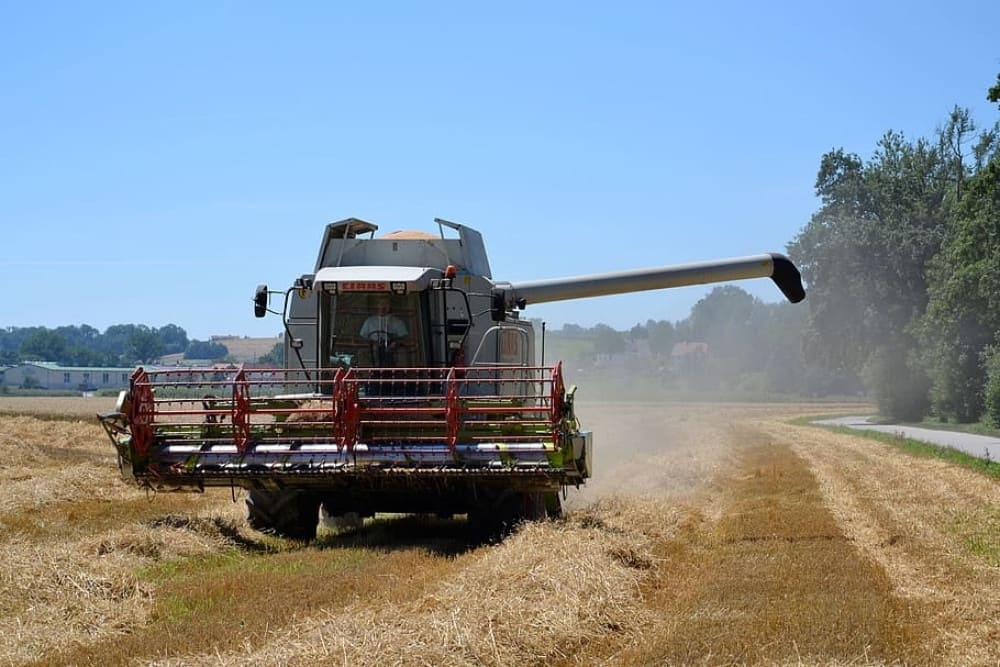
{"x": 932, "y": 423}
{"x": 979, "y": 534}
{"x": 909, "y": 445}
{"x": 976, "y": 428}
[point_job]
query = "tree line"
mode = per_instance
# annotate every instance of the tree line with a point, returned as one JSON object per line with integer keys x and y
{"x": 118, "y": 345}
{"x": 902, "y": 262}
{"x": 730, "y": 343}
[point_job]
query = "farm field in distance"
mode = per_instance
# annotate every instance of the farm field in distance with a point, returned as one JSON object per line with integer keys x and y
{"x": 711, "y": 534}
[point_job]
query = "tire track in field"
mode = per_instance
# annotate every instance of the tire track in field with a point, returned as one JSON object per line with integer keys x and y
{"x": 914, "y": 516}
{"x": 770, "y": 577}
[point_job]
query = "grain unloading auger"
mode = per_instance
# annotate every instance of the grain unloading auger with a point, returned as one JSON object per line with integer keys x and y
{"x": 409, "y": 386}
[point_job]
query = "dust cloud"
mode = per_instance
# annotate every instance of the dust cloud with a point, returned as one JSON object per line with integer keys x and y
{"x": 662, "y": 450}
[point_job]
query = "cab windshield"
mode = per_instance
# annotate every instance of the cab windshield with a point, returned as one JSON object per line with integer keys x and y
{"x": 373, "y": 330}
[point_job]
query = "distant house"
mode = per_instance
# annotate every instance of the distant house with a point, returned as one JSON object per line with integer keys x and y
{"x": 687, "y": 354}
{"x": 53, "y": 376}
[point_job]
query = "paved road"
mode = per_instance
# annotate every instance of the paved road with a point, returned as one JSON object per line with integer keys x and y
{"x": 982, "y": 446}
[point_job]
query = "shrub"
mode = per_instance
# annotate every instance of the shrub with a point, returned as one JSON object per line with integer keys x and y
{"x": 992, "y": 389}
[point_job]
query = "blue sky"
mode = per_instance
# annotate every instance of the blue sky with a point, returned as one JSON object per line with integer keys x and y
{"x": 160, "y": 159}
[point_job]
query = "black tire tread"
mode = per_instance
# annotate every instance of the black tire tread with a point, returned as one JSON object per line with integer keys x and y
{"x": 291, "y": 513}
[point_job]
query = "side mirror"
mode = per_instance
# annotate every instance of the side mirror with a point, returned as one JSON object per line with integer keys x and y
{"x": 260, "y": 301}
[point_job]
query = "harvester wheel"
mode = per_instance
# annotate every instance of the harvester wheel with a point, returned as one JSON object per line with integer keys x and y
{"x": 494, "y": 521}
{"x": 334, "y": 517}
{"x": 533, "y": 506}
{"x": 291, "y": 513}
{"x": 553, "y": 505}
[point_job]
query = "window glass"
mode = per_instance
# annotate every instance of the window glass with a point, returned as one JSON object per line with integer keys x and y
{"x": 375, "y": 329}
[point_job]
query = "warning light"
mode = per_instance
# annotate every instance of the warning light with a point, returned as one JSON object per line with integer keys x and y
{"x": 450, "y": 271}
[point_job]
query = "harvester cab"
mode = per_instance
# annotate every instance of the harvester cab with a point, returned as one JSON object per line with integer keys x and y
{"x": 407, "y": 299}
{"x": 410, "y": 385}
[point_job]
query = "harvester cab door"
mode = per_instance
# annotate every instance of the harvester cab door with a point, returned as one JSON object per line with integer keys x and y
{"x": 506, "y": 344}
{"x": 300, "y": 330}
{"x": 450, "y": 323}
{"x": 509, "y": 348}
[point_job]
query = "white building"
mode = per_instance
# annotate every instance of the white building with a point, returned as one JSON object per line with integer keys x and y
{"x": 53, "y": 376}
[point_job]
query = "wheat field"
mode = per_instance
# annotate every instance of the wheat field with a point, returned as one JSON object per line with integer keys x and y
{"x": 710, "y": 535}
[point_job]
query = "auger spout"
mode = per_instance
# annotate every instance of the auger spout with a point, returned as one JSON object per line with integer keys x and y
{"x": 774, "y": 265}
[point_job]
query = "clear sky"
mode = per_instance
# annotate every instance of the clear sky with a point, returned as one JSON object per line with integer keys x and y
{"x": 158, "y": 160}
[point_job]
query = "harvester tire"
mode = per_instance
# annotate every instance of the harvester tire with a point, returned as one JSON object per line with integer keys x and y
{"x": 494, "y": 521}
{"x": 291, "y": 513}
{"x": 553, "y": 505}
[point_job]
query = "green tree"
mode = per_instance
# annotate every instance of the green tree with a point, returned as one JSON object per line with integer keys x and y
{"x": 779, "y": 355}
{"x": 198, "y": 349}
{"x": 275, "y": 358}
{"x": 865, "y": 256}
{"x": 963, "y": 313}
{"x": 902, "y": 400}
{"x": 661, "y": 337}
{"x": 144, "y": 345}
{"x": 115, "y": 341}
{"x": 993, "y": 94}
{"x": 962, "y": 321}
{"x": 608, "y": 341}
{"x": 88, "y": 356}
{"x": 725, "y": 309}
{"x": 638, "y": 332}
{"x": 992, "y": 393}
{"x": 43, "y": 345}
{"x": 174, "y": 338}
{"x": 727, "y": 319}
{"x": 83, "y": 336}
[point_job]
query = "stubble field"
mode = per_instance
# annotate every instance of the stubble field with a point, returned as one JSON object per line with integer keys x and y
{"x": 711, "y": 534}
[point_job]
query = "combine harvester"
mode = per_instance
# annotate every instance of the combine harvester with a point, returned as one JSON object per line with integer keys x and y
{"x": 410, "y": 386}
